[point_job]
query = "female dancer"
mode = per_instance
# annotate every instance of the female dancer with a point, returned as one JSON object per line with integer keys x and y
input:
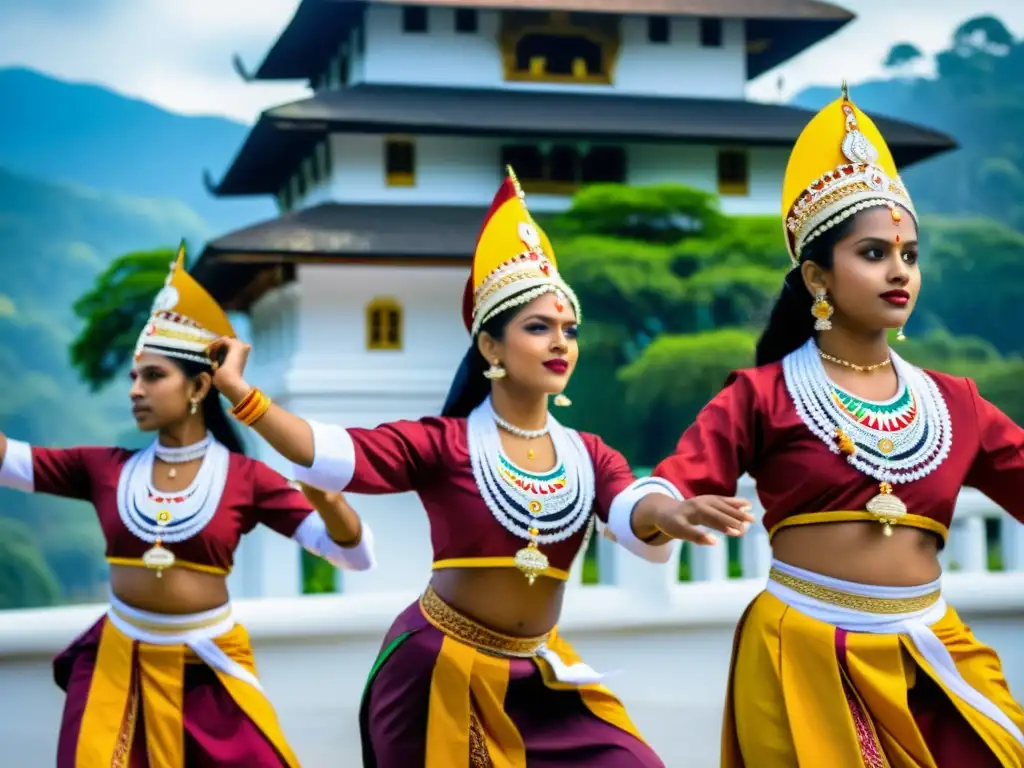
{"x": 851, "y": 657}
{"x": 475, "y": 673}
{"x": 166, "y": 678}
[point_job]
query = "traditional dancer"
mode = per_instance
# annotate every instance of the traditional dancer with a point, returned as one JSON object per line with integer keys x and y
{"x": 166, "y": 678}
{"x": 851, "y": 657}
{"x": 475, "y": 672}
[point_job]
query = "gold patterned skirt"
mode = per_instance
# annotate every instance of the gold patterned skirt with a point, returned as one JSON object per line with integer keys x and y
{"x": 447, "y": 692}
{"x": 832, "y": 673}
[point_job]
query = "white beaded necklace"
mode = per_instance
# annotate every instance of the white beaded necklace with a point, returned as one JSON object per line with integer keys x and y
{"x": 182, "y": 454}
{"x": 878, "y": 450}
{"x": 151, "y": 520}
{"x": 554, "y": 520}
{"x": 527, "y": 434}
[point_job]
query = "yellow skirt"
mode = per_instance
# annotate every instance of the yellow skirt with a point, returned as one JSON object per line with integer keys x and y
{"x": 447, "y": 692}
{"x": 114, "y": 683}
{"x": 805, "y": 693}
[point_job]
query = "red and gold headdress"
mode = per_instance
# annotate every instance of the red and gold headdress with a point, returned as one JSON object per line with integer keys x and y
{"x": 185, "y": 319}
{"x": 514, "y": 262}
{"x": 839, "y": 165}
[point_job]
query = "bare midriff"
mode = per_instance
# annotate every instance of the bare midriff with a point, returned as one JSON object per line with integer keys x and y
{"x": 861, "y": 553}
{"x": 177, "y": 591}
{"x": 501, "y": 599}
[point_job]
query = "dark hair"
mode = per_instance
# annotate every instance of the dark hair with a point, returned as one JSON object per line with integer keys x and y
{"x": 213, "y": 414}
{"x": 791, "y": 323}
{"x": 469, "y": 387}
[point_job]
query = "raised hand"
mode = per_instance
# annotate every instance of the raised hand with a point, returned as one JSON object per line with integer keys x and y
{"x": 727, "y": 514}
{"x": 228, "y": 357}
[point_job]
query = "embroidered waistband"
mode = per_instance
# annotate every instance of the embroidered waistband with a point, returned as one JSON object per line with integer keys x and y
{"x": 862, "y": 598}
{"x": 465, "y": 630}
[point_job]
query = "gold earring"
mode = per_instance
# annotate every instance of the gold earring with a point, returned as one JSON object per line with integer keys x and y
{"x": 495, "y": 371}
{"x": 821, "y": 310}
{"x": 562, "y": 401}
{"x": 194, "y": 407}
{"x": 900, "y": 336}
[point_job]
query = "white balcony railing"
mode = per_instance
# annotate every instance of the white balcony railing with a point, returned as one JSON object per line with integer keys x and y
{"x": 669, "y": 640}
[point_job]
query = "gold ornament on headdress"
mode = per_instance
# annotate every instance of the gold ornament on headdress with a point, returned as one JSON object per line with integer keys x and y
{"x": 185, "y": 319}
{"x": 840, "y": 165}
{"x": 514, "y": 262}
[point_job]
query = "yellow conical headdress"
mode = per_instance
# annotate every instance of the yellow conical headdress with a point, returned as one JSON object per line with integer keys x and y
{"x": 514, "y": 262}
{"x": 839, "y": 165}
{"x": 185, "y": 319}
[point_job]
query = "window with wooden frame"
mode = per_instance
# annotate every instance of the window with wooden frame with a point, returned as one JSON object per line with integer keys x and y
{"x": 467, "y": 22}
{"x": 562, "y": 168}
{"x": 384, "y": 324}
{"x": 559, "y": 47}
{"x": 414, "y": 18}
{"x": 733, "y": 172}
{"x": 658, "y": 29}
{"x": 710, "y": 33}
{"x": 400, "y": 162}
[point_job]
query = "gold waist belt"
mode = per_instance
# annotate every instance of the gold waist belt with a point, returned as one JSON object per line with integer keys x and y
{"x": 465, "y": 630}
{"x": 852, "y": 600}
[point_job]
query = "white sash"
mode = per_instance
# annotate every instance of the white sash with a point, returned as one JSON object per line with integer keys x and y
{"x": 915, "y": 625}
{"x": 127, "y": 619}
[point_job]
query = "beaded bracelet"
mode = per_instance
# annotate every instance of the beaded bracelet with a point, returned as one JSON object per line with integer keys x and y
{"x": 252, "y": 408}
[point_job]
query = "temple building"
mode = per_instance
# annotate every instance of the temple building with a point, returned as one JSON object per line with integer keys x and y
{"x": 383, "y": 174}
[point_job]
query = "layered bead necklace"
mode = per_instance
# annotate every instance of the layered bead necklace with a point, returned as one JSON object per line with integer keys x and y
{"x": 900, "y": 440}
{"x": 182, "y": 454}
{"x": 540, "y": 508}
{"x": 147, "y": 511}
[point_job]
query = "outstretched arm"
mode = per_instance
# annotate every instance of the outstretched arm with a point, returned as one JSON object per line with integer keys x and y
{"x": 998, "y": 468}
{"x": 341, "y": 521}
{"x": 322, "y": 523}
{"x": 709, "y": 459}
{"x": 63, "y": 472}
{"x": 288, "y": 434}
{"x": 391, "y": 458}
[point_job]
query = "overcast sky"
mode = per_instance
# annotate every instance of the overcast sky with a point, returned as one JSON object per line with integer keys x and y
{"x": 177, "y": 53}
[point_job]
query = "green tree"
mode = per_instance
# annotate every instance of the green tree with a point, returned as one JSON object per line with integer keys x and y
{"x": 115, "y": 311}
{"x": 982, "y": 34}
{"x": 25, "y": 579}
{"x": 902, "y": 59}
{"x": 674, "y": 378}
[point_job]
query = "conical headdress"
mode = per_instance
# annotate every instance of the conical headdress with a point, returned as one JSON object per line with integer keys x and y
{"x": 514, "y": 262}
{"x": 839, "y": 165}
{"x": 185, "y": 319}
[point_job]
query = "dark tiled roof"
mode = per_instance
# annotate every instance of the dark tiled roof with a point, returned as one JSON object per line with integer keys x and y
{"x": 286, "y": 134}
{"x": 397, "y": 234}
{"x": 787, "y": 26}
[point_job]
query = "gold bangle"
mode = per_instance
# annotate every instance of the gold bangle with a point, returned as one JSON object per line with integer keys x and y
{"x": 245, "y": 414}
{"x": 259, "y": 411}
{"x": 252, "y": 408}
{"x": 244, "y": 402}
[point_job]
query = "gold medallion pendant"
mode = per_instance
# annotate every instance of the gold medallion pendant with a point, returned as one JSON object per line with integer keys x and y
{"x": 530, "y": 560}
{"x": 887, "y": 507}
{"x": 158, "y": 558}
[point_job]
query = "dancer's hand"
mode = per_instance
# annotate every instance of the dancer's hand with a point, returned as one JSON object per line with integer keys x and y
{"x": 228, "y": 357}
{"x": 727, "y": 514}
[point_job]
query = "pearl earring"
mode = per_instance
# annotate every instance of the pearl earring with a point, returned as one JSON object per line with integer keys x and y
{"x": 496, "y": 371}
